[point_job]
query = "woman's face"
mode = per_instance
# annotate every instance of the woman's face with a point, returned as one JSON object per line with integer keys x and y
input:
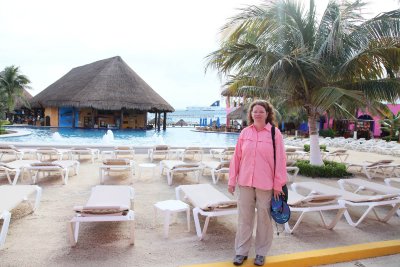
{"x": 259, "y": 114}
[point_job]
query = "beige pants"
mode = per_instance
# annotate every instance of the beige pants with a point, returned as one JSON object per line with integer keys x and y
{"x": 249, "y": 199}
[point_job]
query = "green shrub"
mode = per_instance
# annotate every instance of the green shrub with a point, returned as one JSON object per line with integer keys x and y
{"x": 307, "y": 148}
{"x": 327, "y": 133}
{"x": 329, "y": 169}
{"x": 390, "y": 138}
{"x": 2, "y": 123}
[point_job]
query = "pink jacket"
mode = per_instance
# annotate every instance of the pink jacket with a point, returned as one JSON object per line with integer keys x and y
{"x": 253, "y": 161}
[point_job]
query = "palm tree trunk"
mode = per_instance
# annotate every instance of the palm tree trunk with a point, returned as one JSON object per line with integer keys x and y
{"x": 315, "y": 152}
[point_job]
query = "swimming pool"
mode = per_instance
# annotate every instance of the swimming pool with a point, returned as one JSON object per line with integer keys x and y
{"x": 174, "y": 136}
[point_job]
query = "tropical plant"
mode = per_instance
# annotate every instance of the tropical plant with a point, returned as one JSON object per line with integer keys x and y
{"x": 12, "y": 85}
{"x": 338, "y": 63}
{"x": 2, "y": 128}
{"x": 391, "y": 125}
{"x": 330, "y": 169}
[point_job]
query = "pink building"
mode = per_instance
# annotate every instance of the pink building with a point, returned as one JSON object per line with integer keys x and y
{"x": 368, "y": 121}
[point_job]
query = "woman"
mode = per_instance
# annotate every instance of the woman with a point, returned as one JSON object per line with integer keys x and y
{"x": 258, "y": 177}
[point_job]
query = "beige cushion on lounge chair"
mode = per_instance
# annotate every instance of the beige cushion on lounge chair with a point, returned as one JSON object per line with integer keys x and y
{"x": 297, "y": 200}
{"x": 123, "y": 148}
{"x": 290, "y": 149}
{"x": 185, "y": 165}
{"x": 206, "y": 197}
{"x": 116, "y": 162}
{"x": 98, "y": 210}
{"x": 161, "y": 147}
{"x": 44, "y": 164}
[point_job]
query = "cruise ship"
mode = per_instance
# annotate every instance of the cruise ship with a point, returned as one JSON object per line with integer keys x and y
{"x": 193, "y": 114}
{"x": 214, "y": 107}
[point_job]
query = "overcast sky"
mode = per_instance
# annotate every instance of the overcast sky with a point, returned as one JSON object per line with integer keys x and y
{"x": 163, "y": 41}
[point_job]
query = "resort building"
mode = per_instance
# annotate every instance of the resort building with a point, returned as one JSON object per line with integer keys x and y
{"x": 365, "y": 124}
{"x": 102, "y": 94}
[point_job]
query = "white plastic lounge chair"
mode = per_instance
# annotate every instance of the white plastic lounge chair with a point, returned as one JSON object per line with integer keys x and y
{"x": 391, "y": 181}
{"x": 381, "y": 165}
{"x": 354, "y": 200}
{"x": 107, "y": 203}
{"x": 11, "y": 197}
{"x": 206, "y": 201}
{"x": 42, "y": 152}
{"x": 116, "y": 165}
{"x": 357, "y": 185}
{"x": 158, "y": 150}
{"x": 10, "y": 150}
{"x": 222, "y": 154}
{"x": 177, "y": 166}
{"x": 292, "y": 172}
{"x": 361, "y": 184}
{"x": 124, "y": 151}
{"x": 61, "y": 166}
{"x": 15, "y": 168}
{"x": 75, "y": 153}
{"x": 340, "y": 154}
{"x": 192, "y": 151}
{"x": 314, "y": 203}
{"x": 216, "y": 169}
{"x": 293, "y": 153}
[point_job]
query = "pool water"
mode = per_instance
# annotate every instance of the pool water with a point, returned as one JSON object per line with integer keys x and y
{"x": 175, "y": 136}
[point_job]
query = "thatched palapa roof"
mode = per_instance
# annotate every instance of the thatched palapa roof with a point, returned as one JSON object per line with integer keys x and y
{"x": 23, "y": 100}
{"x": 181, "y": 123}
{"x": 108, "y": 84}
{"x": 238, "y": 114}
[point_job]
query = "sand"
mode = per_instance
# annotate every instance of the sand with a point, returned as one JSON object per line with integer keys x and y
{"x": 37, "y": 239}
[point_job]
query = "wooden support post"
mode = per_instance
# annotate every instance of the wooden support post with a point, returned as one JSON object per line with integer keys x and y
{"x": 164, "y": 127}
{"x": 159, "y": 121}
{"x": 155, "y": 121}
{"x": 73, "y": 117}
{"x": 121, "y": 118}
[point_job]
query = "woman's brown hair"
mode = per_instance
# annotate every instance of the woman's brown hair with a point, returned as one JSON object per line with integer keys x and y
{"x": 268, "y": 108}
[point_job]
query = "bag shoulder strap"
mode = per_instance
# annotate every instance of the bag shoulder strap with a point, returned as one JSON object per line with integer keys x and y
{"x": 273, "y": 144}
{"x": 284, "y": 188}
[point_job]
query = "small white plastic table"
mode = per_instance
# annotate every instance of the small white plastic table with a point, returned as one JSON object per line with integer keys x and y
{"x": 176, "y": 153}
{"x": 168, "y": 207}
{"x": 107, "y": 153}
{"x": 151, "y": 166}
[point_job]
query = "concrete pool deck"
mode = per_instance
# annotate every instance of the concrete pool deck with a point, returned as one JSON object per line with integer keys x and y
{"x": 40, "y": 239}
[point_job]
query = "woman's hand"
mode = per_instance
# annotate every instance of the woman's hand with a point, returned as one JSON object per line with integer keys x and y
{"x": 277, "y": 193}
{"x": 231, "y": 189}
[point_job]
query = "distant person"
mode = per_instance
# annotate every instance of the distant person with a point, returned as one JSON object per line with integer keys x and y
{"x": 258, "y": 177}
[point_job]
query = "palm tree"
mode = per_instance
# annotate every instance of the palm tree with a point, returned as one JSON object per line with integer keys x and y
{"x": 338, "y": 63}
{"x": 12, "y": 85}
